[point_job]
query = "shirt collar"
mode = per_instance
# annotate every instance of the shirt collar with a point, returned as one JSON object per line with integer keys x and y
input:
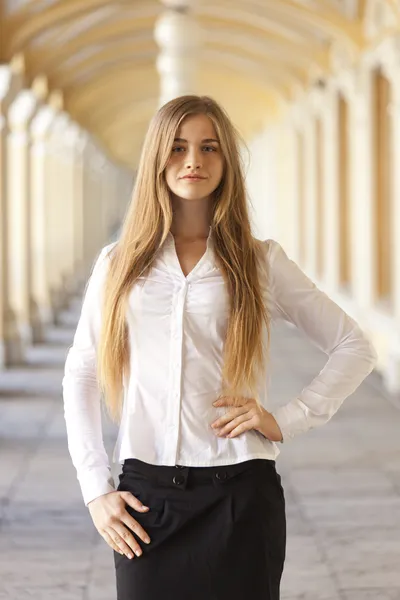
{"x": 210, "y": 239}
{"x": 207, "y": 261}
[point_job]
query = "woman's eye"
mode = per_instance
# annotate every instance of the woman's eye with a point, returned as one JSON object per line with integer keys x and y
{"x": 208, "y": 148}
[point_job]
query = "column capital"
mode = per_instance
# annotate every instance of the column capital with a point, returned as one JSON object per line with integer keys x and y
{"x": 42, "y": 122}
{"x": 5, "y": 81}
{"x": 82, "y": 141}
{"x": 22, "y": 109}
{"x": 72, "y": 135}
{"x": 175, "y": 31}
{"x": 62, "y": 120}
{"x": 59, "y": 133}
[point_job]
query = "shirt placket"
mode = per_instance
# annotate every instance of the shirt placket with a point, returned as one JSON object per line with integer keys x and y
{"x": 176, "y": 367}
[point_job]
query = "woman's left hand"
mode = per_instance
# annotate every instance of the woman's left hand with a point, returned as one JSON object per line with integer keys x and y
{"x": 244, "y": 415}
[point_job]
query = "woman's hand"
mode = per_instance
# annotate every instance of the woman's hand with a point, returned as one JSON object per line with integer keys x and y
{"x": 110, "y": 517}
{"x": 244, "y": 415}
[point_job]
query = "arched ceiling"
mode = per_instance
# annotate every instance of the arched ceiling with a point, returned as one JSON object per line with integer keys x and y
{"x": 101, "y": 54}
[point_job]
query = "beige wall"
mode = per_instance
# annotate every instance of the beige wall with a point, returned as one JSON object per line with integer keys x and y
{"x": 299, "y": 188}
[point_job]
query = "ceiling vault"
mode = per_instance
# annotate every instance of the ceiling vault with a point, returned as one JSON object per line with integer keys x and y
{"x": 100, "y": 56}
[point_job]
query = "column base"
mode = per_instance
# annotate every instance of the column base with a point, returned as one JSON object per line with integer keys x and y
{"x": 65, "y": 292}
{"x": 60, "y": 299}
{"x": 71, "y": 285}
{"x": 18, "y": 337}
{"x": 41, "y": 317}
{"x": 2, "y": 355}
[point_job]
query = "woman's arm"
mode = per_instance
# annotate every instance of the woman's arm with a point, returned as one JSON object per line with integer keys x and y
{"x": 82, "y": 408}
{"x": 351, "y": 355}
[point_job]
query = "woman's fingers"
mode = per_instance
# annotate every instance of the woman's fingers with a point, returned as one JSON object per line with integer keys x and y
{"x": 234, "y": 423}
{"x": 232, "y": 413}
{"x": 111, "y": 542}
{"x": 237, "y": 419}
{"x": 129, "y": 521}
{"x": 133, "y": 502}
{"x": 134, "y": 526}
{"x": 109, "y": 515}
{"x": 124, "y": 539}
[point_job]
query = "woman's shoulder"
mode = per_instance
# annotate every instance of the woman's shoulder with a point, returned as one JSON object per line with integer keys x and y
{"x": 107, "y": 251}
{"x": 102, "y": 261}
{"x": 276, "y": 265}
{"x": 270, "y": 249}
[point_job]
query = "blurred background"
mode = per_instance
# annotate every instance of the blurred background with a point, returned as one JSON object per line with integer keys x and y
{"x": 314, "y": 88}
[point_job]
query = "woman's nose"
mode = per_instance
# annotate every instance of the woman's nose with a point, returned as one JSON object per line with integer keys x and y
{"x": 193, "y": 160}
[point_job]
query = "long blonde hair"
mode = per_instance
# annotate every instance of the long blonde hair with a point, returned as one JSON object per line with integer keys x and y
{"x": 146, "y": 226}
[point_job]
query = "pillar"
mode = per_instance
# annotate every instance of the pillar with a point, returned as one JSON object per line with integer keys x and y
{"x": 361, "y": 184}
{"x": 20, "y": 114}
{"x": 329, "y": 117}
{"x": 40, "y": 200}
{"x": 60, "y": 215}
{"x": 179, "y": 36}
{"x": 5, "y": 85}
{"x": 391, "y": 372}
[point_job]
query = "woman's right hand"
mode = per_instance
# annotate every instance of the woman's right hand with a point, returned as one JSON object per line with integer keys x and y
{"x": 110, "y": 516}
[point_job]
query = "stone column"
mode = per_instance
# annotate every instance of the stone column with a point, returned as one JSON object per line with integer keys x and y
{"x": 70, "y": 208}
{"x": 90, "y": 207}
{"x": 392, "y": 71}
{"x": 52, "y": 224}
{"x": 111, "y": 200}
{"x": 79, "y": 199}
{"x": 5, "y": 86}
{"x": 107, "y": 203}
{"x": 95, "y": 221}
{"x": 60, "y": 215}
{"x": 330, "y": 193}
{"x": 40, "y": 199}
{"x": 361, "y": 185}
{"x": 180, "y": 37}
{"x": 310, "y": 196}
{"x": 124, "y": 181}
{"x": 283, "y": 202}
{"x": 296, "y": 191}
{"x": 20, "y": 114}
{"x": 102, "y": 200}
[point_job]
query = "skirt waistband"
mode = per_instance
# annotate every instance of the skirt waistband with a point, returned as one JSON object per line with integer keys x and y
{"x": 197, "y": 474}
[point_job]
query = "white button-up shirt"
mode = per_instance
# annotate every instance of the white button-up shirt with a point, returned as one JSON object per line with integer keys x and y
{"x": 176, "y": 328}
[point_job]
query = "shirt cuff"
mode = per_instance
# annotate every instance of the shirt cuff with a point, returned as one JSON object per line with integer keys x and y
{"x": 95, "y": 483}
{"x": 291, "y": 419}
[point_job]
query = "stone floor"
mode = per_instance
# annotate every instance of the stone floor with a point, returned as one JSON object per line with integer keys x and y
{"x": 342, "y": 486}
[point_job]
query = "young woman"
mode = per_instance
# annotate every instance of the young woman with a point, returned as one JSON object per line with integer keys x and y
{"x": 174, "y": 334}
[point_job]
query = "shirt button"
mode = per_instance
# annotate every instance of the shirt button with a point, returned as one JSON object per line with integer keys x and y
{"x": 178, "y": 479}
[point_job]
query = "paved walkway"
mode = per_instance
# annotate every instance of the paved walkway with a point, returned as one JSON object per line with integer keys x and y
{"x": 342, "y": 485}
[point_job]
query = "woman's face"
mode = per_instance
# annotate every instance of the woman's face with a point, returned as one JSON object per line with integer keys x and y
{"x": 196, "y": 151}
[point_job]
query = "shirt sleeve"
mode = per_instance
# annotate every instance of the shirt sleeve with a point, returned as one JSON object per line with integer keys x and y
{"x": 351, "y": 355}
{"x": 81, "y": 393}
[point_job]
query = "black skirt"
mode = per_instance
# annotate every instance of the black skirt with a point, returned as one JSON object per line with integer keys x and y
{"x": 217, "y": 533}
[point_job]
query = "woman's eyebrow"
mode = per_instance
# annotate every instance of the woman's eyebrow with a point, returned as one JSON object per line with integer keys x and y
{"x": 206, "y": 141}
